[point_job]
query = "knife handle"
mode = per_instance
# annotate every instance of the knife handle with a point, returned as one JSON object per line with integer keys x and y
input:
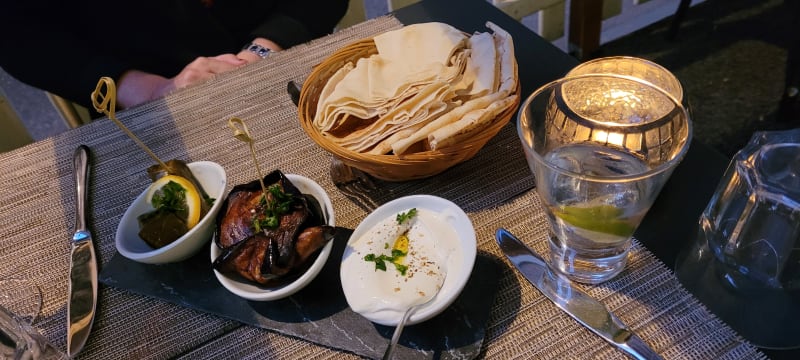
{"x": 81, "y": 163}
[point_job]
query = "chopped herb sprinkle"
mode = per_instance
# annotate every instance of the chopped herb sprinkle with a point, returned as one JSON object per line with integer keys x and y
{"x": 171, "y": 197}
{"x": 271, "y": 210}
{"x": 403, "y": 217}
{"x": 380, "y": 261}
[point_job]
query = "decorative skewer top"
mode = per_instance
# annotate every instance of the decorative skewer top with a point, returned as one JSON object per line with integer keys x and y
{"x": 105, "y": 103}
{"x": 241, "y": 133}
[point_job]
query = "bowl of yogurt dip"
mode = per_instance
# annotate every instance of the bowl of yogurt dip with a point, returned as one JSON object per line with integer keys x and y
{"x": 405, "y": 249}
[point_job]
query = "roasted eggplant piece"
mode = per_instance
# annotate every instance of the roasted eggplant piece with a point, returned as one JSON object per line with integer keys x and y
{"x": 258, "y": 252}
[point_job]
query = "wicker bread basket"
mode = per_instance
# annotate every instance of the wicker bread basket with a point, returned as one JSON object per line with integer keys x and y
{"x": 386, "y": 167}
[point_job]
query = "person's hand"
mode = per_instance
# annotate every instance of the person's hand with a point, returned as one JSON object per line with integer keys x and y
{"x": 202, "y": 69}
{"x": 135, "y": 87}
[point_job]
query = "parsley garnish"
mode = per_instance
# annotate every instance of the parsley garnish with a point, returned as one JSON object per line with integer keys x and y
{"x": 380, "y": 261}
{"x": 397, "y": 255}
{"x": 208, "y": 199}
{"x": 171, "y": 197}
{"x": 401, "y": 268}
{"x": 402, "y": 217}
{"x": 279, "y": 204}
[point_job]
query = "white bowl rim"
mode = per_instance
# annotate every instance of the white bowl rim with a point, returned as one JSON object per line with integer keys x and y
{"x": 144, "y": 256}
{"x": 258, "y": 293}
{"x": 453, "y": 285}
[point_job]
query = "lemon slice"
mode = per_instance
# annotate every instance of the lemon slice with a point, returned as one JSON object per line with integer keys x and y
{"x": 604, "y": 219}
{"x": 193, "y": 199}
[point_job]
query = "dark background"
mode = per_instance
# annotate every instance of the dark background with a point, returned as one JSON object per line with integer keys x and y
{"x": 730, "y": 56}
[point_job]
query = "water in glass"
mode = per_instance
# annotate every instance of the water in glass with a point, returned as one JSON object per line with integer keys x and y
{"x": 600, "y": 147}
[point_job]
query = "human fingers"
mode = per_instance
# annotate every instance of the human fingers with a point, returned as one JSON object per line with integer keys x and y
{"x": 231, "y": 59}
{"x": 214, "y": 65}
{"x": 190, "y": 76}
{"x": 204, "y": 68}
{"x": 248, "y": 56}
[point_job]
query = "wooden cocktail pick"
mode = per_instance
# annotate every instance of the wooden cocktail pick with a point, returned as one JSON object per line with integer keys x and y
{"x": 104, "y": 99}
{"x": 241, "y": 133}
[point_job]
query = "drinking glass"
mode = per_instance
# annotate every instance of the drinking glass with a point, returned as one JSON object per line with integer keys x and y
{"x": 21, "y": 297}
{"x": 744, "y": 262}
{"x": 601, "y": 146}
{"x": 20, "y": 303}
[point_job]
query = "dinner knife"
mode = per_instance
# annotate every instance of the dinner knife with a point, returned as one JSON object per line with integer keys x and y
{"x": 83, "y": 265}
{"x": 583, "y": 308}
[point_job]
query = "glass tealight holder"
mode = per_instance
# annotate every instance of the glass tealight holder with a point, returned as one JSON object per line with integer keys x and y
{"x": 635, "y": 67}
{"x": 621, "y": 111}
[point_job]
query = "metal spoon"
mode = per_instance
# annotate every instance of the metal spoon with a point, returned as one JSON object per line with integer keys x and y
{"x": 399, "y": 329}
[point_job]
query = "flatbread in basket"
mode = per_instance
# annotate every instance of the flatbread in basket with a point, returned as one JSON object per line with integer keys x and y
{"x": 426, "y": 94}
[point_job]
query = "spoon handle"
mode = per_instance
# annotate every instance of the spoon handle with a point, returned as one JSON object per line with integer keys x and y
{"x": 396, "y": 336}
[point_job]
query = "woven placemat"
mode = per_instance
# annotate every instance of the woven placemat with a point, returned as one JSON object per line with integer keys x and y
{"x": 37, "y": 202}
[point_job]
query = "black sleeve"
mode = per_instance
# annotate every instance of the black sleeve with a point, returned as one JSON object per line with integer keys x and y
{"x": 296, "y": 22}
{"x": 39, "y": 52}
{"x": 65, "y": 47}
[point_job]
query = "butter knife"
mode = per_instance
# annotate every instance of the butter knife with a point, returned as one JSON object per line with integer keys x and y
{"x": 83, "y": 265}
{"x": 583, "y": 308}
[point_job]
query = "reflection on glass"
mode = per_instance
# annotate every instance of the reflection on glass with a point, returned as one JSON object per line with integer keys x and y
{"x": 20, "y": 304}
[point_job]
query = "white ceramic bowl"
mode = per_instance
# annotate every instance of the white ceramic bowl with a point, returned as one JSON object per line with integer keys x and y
{"x": 458, "y": 266}
{"x": 212, "y": 178}
{"x": 255, "y": 292}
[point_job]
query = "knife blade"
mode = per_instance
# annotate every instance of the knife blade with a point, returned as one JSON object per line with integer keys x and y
{"x": 572, "y": 300}
{"x": 83, "y": 265}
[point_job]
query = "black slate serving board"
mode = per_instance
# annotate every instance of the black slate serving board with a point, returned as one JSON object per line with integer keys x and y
{"x": 323, "y": 316}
